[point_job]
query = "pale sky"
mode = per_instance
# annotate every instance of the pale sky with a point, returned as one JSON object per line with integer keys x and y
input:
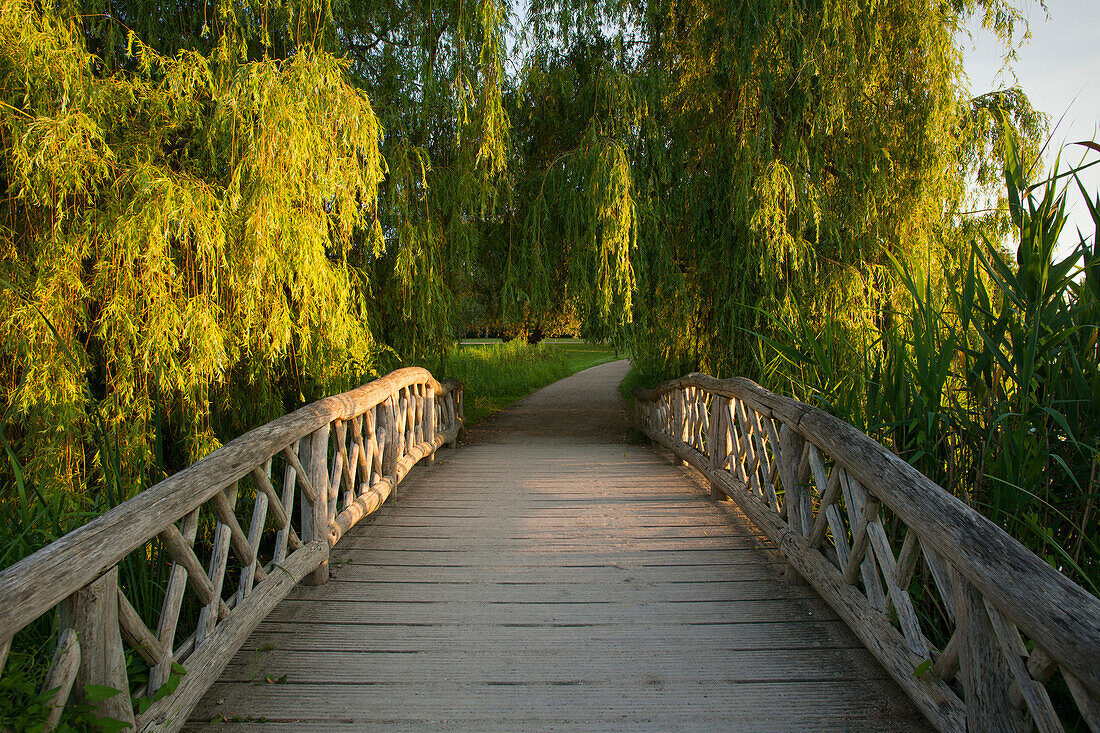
{"x": 1059, "y": 70}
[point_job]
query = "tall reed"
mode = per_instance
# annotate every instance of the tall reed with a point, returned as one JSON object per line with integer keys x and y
{"x": 985, "y": 377}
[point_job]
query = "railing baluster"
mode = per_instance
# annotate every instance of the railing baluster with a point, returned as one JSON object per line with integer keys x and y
{"x": 828, "y": 499}
{"x": 789, "y": 445}
{"x": 854, "y": 499}
{"x": 1088, "y": 701}
{"x": 251, "y": 573}
{"x": 335, "y": 470}
{"x": 450, "y": 416}
{"x": 61, "y": 675}
{"x": 349, "y": 463}
{"x": 295, "y": 455}
{"x": 219, "y": 561}
{"x": 374, "y": 445}
{"x": 402, "y": 424}
{"x": 897, "y": 594}
{"x": 279, "y": 513}
{"x": 943, "y": 576}
{"x": 907, "y": 559}
{"x": 362, "y": 457}
{"x": 421, "y": 409}
{"x": 790, "y": 451}
{"x": 170, "y": 608}
{"x": 738, "y": 454}
{"x": 135, "y": 633}
{"x": 286, "y": 536}
{"x": 410, "y": 420}
{"x": 1015, "y": 652}
{"x": 179, "y": 547}
{"x": 751, "y": 462}
{"x": 679, "y": 420}
{"x": 391, "y": 431}
{"x": 947, "y": 666}
{"x": 1041, "y": 666}
{"x": 767, "y": 475}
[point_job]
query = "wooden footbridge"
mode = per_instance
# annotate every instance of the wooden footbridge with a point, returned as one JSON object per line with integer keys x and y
{"x": 551, "y": 575}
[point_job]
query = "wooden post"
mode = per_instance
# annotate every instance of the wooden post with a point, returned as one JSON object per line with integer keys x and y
{"x": 315, "y": 515}
{"x": 716, "y": 441}
{"x": 983, "y": 672}
{"x": 429, "y": 420}
{"x": 92, "y": 612}
{"x": 790, "y": 457}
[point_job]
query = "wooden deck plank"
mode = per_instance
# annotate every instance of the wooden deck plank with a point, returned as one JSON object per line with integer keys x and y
{"x": 736, "y": 720}
{"x": 617, "y": 590}
{"x": 657, "y": 705}
{"x": 548, "y": 576}
{"x": 556, "y": 666}
{"x": 747, "y": 635}
{"x": 383, "y": 575}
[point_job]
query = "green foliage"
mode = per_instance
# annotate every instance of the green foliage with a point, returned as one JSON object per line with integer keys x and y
{"x": 984, "y": 378}
{"x": 25, "y": 707}
{"x": 774, "y": 156}
{"x": 185, "y": 229}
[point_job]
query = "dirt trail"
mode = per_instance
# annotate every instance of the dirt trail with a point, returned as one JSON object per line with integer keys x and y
{"x": 585, "y": 407}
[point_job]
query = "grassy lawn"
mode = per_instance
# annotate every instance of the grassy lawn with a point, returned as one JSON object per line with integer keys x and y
{"x": 497, "y": 374}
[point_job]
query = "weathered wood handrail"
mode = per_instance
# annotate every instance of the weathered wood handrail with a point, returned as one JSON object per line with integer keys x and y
{"x": 830, "y": 498}
{"x": 341, "y": 475}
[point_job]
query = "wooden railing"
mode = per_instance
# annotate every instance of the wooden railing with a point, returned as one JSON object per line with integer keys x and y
{"x": 836, "y": 504}
{"x": 336, "y": 460}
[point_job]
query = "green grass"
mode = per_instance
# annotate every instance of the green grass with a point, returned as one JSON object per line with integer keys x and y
{"x": 633, "y": 378}
{"x": 498, "y": 374}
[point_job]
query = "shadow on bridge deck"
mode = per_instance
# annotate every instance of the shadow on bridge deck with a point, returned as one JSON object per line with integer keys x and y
{"x": 548, "y": 576}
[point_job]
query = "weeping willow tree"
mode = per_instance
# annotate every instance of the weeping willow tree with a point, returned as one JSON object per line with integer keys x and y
{"x": 572, "y": 239}
{"x": 776, "y": 154}
{"x": 436, "y": 71}
{"x": 206, "y": 221}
